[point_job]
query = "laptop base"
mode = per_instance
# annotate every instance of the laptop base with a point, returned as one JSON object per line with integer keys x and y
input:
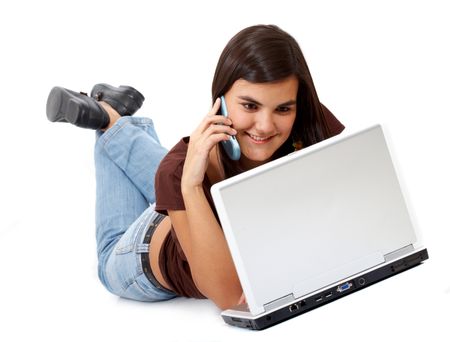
{"x": 330, "y": 294}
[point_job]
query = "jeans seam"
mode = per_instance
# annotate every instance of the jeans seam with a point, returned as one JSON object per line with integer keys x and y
{"x": 108, "y": 137}
{"x": 139, "y": 271}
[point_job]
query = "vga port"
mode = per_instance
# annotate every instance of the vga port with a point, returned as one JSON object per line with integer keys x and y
{"x": 344, "y": 287}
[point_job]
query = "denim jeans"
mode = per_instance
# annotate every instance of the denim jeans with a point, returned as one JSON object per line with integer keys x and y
{"x": 126, "y": 156}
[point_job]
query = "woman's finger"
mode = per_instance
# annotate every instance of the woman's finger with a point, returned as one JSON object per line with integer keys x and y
{"x": 215, "y": 107}
{"x": 214, "y": 129}
{"x": 242, "y": 300}
{"x": 212, "y": 120}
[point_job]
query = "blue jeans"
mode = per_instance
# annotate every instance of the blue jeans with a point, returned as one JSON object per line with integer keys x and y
{"x": 126, "y": 159}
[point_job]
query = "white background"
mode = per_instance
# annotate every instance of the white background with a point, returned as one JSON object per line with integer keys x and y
{"x": 380, "y": 61}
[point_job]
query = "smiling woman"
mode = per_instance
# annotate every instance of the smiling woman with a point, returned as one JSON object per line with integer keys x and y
{"x": 175, "y": 247}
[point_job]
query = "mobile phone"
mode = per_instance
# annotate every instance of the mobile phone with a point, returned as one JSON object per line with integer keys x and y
{"x": 231, "y": 146}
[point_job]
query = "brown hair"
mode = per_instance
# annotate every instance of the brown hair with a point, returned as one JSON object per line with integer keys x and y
{"x": 265, "y": 53}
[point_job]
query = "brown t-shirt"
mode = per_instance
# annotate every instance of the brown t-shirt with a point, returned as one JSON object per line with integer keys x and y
{"x": 172, "y": 261}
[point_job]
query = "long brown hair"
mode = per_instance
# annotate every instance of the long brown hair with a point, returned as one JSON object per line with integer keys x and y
{"x": 265, "y": 53}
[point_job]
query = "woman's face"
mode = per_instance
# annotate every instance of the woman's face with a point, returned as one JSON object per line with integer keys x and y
{"x": 263, "y": 115}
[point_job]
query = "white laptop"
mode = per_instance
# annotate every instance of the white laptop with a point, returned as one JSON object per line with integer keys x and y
{"x": 314, "y": 226}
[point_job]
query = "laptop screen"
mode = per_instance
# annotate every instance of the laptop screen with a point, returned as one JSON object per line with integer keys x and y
{"x": 314, "y": 217}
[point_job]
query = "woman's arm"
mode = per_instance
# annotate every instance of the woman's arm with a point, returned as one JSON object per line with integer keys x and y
{"x": 197, "y": 229}
{"x": 206, "y": 250}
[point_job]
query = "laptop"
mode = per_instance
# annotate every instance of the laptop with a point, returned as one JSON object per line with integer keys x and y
{"x": 314, "y": 226}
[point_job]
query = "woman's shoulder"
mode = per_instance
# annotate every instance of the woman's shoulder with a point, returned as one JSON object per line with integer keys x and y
{"x": 168, "y": 179}
{"x": 180, "y": 147}
{"x": 174, "y": 159}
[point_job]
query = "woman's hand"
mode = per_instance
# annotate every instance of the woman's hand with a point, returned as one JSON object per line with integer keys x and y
{"x": 213, "y": 129}
{"x": 242, "y": 300}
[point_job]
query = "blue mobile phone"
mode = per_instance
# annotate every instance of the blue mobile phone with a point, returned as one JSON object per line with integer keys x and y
{"x": 231, "y": 146}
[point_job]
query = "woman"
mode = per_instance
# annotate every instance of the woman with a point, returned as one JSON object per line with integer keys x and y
{"x": 177, "y": 247}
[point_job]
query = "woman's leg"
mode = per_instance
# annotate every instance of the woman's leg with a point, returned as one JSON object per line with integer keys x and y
{"x": 127, "y": 156}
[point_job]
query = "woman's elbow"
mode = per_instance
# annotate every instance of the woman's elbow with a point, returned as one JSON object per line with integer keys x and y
{"x": 225, "y": 303}
{"x": 224, "y": 298}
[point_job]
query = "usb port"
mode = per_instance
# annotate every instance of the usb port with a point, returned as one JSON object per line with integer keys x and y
{"x": 328, "y": 295}
{"x": 318, "y": 299}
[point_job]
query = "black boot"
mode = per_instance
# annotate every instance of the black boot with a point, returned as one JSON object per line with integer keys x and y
{"x": 125, "y": 99}
{"x": 64, "y": 105}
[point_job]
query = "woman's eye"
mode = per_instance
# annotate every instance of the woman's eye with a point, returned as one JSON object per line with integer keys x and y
{"x": 250, "y": 106}
{"x": 283, "y": 109}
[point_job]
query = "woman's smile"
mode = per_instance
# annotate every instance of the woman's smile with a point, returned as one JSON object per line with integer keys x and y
{"x": 258, "y": 139}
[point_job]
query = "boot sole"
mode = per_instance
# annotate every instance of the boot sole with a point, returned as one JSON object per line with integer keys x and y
{"x": 62, "y": 106}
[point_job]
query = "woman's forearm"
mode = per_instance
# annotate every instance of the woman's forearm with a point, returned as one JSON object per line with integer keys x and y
{"x": 202, "y": 238}
{"x": 210, "y": 259}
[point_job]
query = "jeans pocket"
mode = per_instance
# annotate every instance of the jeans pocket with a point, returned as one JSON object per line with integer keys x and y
{"x": 128, "y": 241}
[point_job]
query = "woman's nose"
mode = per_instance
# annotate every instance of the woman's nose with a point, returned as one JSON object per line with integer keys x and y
{"x": 264, "y": 122}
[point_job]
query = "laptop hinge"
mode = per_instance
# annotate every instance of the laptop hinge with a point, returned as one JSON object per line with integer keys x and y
{"x": 279, "y": 302}
{"x": 399, "y": 252}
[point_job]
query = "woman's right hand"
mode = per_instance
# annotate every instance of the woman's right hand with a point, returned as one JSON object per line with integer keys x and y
{"x": 213, "y": 129}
